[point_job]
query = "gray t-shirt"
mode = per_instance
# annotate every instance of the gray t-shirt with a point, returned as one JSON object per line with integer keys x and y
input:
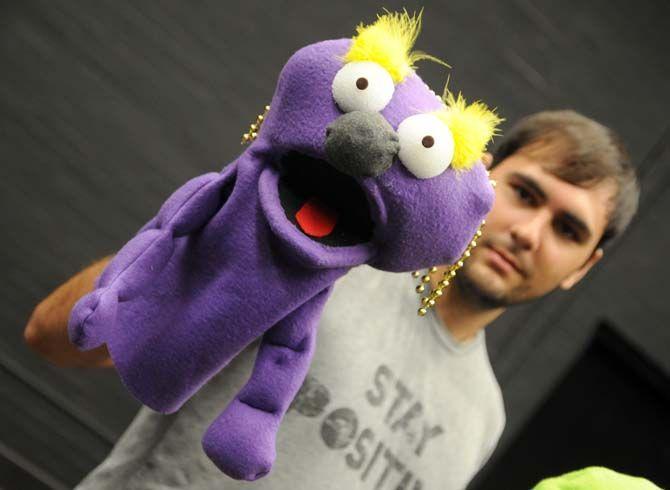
{"x": 391, "y": 401}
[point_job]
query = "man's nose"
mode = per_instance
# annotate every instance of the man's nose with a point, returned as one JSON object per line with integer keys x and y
{"x": 527, "y": 233}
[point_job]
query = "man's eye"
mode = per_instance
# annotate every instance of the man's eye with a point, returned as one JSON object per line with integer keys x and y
{"x": 523, "y": 194}
{"x": 567, "y": 231}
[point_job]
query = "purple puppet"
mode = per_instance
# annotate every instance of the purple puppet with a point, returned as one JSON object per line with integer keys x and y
{"x": 357, "y": 162}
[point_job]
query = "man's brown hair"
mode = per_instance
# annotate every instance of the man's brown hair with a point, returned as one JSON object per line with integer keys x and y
{"x": 589, "y": 153}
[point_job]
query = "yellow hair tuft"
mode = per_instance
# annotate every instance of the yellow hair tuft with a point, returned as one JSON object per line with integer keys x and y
{"x": 388, "y": 42}
{"x": 472, "y": 127}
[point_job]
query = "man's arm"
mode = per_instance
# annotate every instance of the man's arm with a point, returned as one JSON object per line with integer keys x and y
{"x": 46, "y": 332}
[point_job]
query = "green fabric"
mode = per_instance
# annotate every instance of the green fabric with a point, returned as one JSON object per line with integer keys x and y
{"x": 595, "y": 478}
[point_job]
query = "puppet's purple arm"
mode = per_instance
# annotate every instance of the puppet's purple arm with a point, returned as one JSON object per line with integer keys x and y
{"x": 241, "y": 441}
{"x": 143, "y": 257}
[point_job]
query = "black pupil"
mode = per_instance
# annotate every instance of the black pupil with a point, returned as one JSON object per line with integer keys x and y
{"x": 428, "y": 141}
{"x": 362, "y": 83}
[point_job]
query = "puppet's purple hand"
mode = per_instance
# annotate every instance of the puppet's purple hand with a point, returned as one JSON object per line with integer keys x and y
{"x": 141, "y": 259}
{"x": 241, "y": 441}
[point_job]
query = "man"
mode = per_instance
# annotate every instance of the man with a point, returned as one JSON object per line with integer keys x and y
{"x": 392, "y": 400}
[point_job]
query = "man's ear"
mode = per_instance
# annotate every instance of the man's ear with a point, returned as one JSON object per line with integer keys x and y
{"x": 577, "y": 275}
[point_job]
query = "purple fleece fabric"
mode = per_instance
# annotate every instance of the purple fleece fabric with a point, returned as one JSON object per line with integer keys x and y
{"x": 222, "y": 264}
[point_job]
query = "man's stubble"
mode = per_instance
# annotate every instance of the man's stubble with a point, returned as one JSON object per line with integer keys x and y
{"x": 476, "y": 288}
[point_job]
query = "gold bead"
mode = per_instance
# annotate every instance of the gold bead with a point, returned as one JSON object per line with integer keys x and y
{"x": 424, "y": 301}
{"x": 253, "y": 135}
{"x": 444, "y": 283}
{"x": 483, "y": 222}
{"x": 493, "y": 183}
{"x": 452, "y": 273}
{"x": 425, "y": 278}
{"x": 431, "y": 302}
{"x": 260, "y": 118}
{"x": 420, "y": 288}
{"x": 438, "y": 292}
{"x": 253, "y": 127}
{"x": 416, "y": 274}
{"x": 479, "y": 233}
{"x": 459, "y": 263}
{"x": 267, "y": 107}
{"x": 467, "y": 253}
{"x": 432, "y": 269}
{"x": 473, "y": 243}
{"x": 422, "y": 312}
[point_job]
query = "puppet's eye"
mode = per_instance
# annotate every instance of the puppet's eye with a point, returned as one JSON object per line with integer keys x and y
{"x": 362, "y": 86}
{"x": 426, "y": 145}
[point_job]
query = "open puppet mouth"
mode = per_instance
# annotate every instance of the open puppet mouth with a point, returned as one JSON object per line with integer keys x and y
{"x": 325, "y": 204}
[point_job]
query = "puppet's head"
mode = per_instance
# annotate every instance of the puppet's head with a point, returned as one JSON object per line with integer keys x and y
{"x": 370, "y": 164}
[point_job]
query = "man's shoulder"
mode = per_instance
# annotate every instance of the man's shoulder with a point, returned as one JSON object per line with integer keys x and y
{"x": 492, "y": 401}
{"x": 496, "y": 391}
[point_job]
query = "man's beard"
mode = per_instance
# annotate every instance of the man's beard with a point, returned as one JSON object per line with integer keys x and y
{"x": 475, "y": 290}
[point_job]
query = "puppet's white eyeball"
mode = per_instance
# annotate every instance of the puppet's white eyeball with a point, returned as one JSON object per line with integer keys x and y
{"x": 426, "y": 145}
{"x": 362, "y": 86}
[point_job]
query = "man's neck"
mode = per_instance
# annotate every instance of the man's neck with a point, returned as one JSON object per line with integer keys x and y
{"x": 463, "y": 318}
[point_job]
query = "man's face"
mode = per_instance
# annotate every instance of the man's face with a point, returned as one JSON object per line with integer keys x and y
{"x": 540, "y": 234}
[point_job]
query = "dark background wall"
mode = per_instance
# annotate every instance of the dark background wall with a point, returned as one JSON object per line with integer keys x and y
{"x": 106, "y": 107}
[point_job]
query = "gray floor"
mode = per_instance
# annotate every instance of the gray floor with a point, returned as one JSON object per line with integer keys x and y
{"x": 105, "y": 107}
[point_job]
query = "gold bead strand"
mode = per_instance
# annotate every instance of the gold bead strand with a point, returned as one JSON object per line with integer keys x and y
{"x": 428, "y": 301}
{"x": 255, "y": 127}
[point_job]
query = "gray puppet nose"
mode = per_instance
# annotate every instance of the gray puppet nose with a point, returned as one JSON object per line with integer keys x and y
{"x": 361, "y": 144}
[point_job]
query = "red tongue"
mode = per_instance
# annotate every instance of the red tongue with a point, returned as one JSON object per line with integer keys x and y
{"x": 315, "y": 218}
